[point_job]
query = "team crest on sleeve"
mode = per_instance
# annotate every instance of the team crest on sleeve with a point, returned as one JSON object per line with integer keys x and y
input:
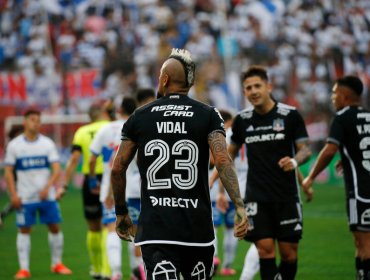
{"x": 278, "y": 125}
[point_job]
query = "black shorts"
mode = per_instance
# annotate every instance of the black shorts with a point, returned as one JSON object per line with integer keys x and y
{"x": 358, "y": 214}
{"x": 165, "y": 262}
{"x": 277, "y": 220}
{"x": 91, "y": 203}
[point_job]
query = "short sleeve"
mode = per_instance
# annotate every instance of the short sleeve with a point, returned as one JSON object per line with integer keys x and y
{"x": 10, "y": 157}
{"x": 300, "y": 132}
{"x": 216, "y": 122}
{"x": 53, "y": 155}
{"x": 77, "y": 141}
{"x": 236, "y": 136}
{"x": 128, "y": 132}
{"x": 96, "y": 145}
{"x": 336, "y": 132}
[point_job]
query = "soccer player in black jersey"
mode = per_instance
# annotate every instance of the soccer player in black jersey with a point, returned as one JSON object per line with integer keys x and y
{"x": 173, "y": 136}
{"x": 350, "y": 134}
{"x": 276, "y": 143}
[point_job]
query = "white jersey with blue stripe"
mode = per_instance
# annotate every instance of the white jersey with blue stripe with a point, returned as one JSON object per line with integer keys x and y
{"x": 106, "y": 143}
{"x": 31, "y": 161}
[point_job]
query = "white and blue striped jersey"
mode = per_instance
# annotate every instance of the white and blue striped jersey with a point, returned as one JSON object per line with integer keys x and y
{"x": 106, "y": 143}
{"x": 31, "y": 161}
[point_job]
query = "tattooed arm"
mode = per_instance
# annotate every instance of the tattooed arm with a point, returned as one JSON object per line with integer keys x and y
{"x": 227, "y": 174}
{"x": 124, "y": 156}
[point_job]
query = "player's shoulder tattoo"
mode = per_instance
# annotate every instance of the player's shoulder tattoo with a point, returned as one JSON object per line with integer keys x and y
{"x": 216, "y": 140}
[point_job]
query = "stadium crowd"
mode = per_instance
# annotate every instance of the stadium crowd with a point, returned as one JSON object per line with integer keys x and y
{"x": 306, "y": 44}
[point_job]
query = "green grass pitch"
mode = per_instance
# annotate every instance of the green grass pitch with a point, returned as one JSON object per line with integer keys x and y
{"x": 326, "y": 251}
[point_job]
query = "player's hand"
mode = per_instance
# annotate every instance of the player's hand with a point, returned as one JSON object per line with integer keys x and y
{"x": 61, "y": 192}
{"x": 125, "y": 228}
{"x": 240, "y": 223}
{"x": 307, "y": 188}
{"x": 44, "y": 193}
{"x": 221, "y": 203}
{"x": 16, "y": 201}
{"x": 339, "y": 167}
{"x": 287, "y": 164}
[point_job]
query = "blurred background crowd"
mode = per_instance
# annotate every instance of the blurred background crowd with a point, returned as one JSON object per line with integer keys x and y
{"x": 61, "y": 55}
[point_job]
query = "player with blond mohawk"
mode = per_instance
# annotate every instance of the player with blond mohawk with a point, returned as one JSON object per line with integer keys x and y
{"x": 172, "y": 137}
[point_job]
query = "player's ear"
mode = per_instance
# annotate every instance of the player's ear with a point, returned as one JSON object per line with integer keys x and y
{"x": 166, "y": 80}
{"x": 269, "y": 87}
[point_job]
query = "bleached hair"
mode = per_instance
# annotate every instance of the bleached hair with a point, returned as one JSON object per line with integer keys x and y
{"x": 184, "y": 57}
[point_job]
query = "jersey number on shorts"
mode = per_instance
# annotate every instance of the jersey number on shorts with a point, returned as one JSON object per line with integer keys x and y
{"x": 189, "y": 164}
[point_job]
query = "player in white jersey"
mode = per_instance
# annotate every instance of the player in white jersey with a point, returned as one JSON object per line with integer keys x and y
{"x": 31, "y": 155}
{"x": 105, "y": 143}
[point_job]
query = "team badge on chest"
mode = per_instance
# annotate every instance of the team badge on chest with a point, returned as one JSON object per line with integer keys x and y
{"x": 278, "y": 125}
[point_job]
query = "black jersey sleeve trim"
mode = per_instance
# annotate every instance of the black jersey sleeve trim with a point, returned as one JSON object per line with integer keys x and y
{"x": 303, "y": 139}
{"x": 333, "y": 140}
{"x": 218, "y": 130}
{"x": 123, "y": 138}
{"x": 76, "y": 148}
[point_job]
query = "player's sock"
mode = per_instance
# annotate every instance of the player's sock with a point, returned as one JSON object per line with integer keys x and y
{"x": 366, "y": 267}
{"x": 95, "y": 251}
{"x": 105, "y": 261}
{"x": 114, "y": 252}
{"x": 23, "y": 249}
{"x": 56, "y": 242}
{"x": 230, "y": 243}
{"x": 269, "y": 269}
{"x": 359, "y": 269}
{"x": 288, "y": 270}
{"x": 251, "y": 263}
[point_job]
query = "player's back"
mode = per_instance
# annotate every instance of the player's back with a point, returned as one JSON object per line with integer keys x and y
{"x": 353, "y": 123}
{"x": 173, "y": 157}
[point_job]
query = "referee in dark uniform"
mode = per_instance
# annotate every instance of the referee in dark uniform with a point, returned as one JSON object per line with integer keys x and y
{"x": 173, "y": 136}
{"x": 276, "y": 143}
{"x": 350, "y": 134}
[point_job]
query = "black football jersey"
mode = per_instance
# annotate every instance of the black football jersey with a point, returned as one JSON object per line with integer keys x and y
{"x": 350, "y": 130}
{"x": 173, "y": 159}
{"x": 268, "y": 138}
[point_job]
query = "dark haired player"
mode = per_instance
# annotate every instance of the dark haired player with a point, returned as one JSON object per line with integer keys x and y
{"x": 173, "y": 136}
{"x": 276, "y": 143}
{"x": 34, "y": 159}
{"x": 350, "y": 133}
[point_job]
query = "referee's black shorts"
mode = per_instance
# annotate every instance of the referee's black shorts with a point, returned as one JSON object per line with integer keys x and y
{"x": 91, "y": 204}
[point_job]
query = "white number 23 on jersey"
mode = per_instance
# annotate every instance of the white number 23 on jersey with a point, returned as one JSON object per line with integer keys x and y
{"x": 189, "y": 164}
